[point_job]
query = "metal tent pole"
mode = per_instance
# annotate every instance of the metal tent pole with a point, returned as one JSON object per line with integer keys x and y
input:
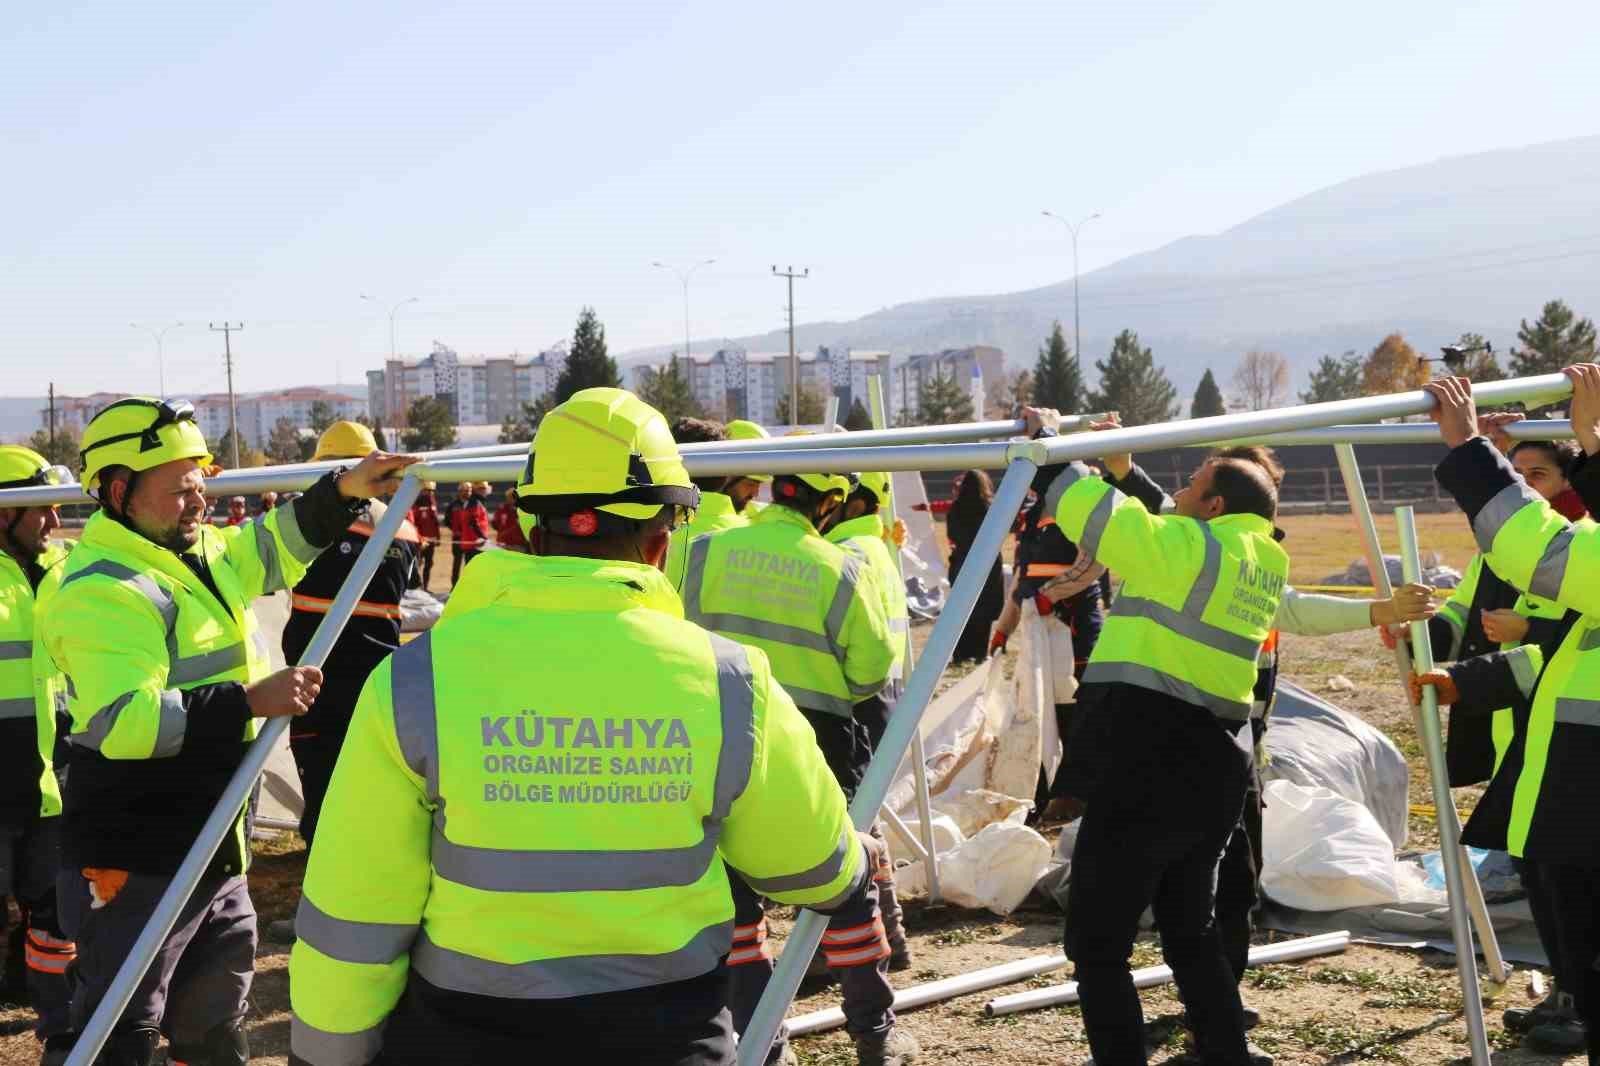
{"x": 1455, "y": 859}
{"x": 919, "y": 754}
{"x": 1361, "y": 510}
{"x": 807, "y": 931}
{"x": 234, "y": 796}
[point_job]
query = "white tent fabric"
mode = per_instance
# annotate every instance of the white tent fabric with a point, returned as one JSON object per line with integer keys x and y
{"x": 281, "y": 801}
{"x": 921, "y": 557}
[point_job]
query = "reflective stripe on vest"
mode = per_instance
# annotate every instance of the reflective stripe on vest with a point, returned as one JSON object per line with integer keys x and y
{"x": 364, "y": 608}
{"x": 742, "y": 625}
{"x": 334, "y": 1049}
{"x": 497, "y": 870}
{"x": 1551, "y": 569}
{"x": 1045, "y": 569}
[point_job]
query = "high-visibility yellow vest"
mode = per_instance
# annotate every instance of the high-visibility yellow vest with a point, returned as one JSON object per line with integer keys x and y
{"x": 29, "y": 686}
{"x": 1198, "y": 598}
{"x": 1527, "y": 659}
{"x": 714, "y": 514}
{"x": 865, "y": 537}
{"x": 131, "y": 627}
{"x": 812, "y": 607}
{"x": 536, "y": 798}
{"x": 1557, "y": 789}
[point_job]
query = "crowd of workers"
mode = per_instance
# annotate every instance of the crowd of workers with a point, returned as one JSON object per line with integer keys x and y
{"x": 509, "y": 849}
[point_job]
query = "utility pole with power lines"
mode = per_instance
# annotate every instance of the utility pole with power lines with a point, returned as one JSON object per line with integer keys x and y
{"x": 794, "y": 361}
{"x": 227, "y": 330}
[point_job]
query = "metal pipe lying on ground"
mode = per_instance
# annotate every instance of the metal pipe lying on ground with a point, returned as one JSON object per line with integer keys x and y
{"x": 1149, "y": 977}
{"x": 1021, "y": 969}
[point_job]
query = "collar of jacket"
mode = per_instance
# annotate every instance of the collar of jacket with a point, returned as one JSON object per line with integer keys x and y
{"x": 714, "y": 505}
{"x": 777, "y": 513}
{"x": 568, "y": 583}
{"x": 11, "y": 570}
{"x": 867, "y": 525}
{"x": 1246, "y": 523}
{"x": 105, "y": 534}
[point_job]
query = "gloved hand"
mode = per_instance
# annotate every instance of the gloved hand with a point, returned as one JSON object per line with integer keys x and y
{"x": 877, "y": 851}
{"x": 896, "y": 534}
{"x": 1043, "y": 603}
{"x": 997, "y": 640}
{"x": 1443, "y": 685}
{"x": 1390, "y": 635}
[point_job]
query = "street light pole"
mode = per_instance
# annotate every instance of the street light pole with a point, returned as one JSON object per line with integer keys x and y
{"x": 684, "y": 275}
{"x": 392, "y": 312}
{"x": 1077, "y": 337}
{"x": 161, "y": 356}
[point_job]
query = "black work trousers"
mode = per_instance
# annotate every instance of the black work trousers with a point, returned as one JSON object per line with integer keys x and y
{"x": 1239, "y": 882}
{"x": 1572, "y": 900}
{"x": 1158, "y": 818}
{"x": 314, "y": 758}
{"x": 460, "y": 556}
{"x": 681, "y": 1024}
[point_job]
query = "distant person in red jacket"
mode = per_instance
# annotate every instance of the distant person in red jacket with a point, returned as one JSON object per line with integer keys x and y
{"x": 269, "y": 500}
{"x": 507, "y": 530}
{"x": 425, "y": 517}
{"x": 468, "y": 520}
{"x": 237, "y": 514}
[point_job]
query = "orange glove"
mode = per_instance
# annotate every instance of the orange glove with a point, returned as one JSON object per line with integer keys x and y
{"x": 104, "y": 885}
{"x": 1442, "y": 684}
{"x": 897, "y": 533}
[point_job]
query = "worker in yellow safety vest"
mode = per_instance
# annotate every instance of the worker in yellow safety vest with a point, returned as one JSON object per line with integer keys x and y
{"x": 1161, "y": 751}
{"x": 815, "y": 610}
{"x": 166, "y": 671}
{"x": 858, "y": 528}
{"x": 1548, "y": 780}
{"x": 744, "y": 489}
{"x": 716, "y": 511}
{"x": 505, "y": 867}
{"x": 32, "y": 694}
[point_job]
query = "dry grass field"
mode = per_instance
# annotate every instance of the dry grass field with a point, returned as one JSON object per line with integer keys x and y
{"x": 1372, "y": 1003}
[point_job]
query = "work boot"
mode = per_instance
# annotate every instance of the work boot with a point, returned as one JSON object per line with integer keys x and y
{"x": 1562, "y": 1033}
{"x": 224, "y": 1045}
{"x": 56, "y": 1049}
{"x": 131, "y": 1047}
{"x": 896, "y": 1047}
{"x": 1522, "y": 1019}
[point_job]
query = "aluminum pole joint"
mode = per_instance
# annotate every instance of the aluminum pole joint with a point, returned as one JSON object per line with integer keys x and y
{"x": 1034, "y": 451}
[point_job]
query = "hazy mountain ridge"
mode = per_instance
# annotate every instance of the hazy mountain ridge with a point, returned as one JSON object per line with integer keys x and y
{"x": 1466, "y": 243}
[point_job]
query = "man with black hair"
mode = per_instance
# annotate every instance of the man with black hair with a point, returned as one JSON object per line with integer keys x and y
{"x": 777, "y": 585}
{"x": 1161, "y": 752}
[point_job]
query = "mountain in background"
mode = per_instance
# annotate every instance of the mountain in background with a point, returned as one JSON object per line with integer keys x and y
{"x": 1466, "y": 244}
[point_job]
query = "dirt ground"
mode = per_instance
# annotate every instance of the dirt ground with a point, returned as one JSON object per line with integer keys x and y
{"x": 1369, "y": 1003}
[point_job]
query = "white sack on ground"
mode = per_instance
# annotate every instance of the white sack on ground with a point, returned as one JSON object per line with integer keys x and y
{"x": 1323, "y": 852}
{"x": 921, "y": 557}
{"x": 994, "y": 871}
{"x": 946, "y": 835}
{"x": 1315, "y": 744}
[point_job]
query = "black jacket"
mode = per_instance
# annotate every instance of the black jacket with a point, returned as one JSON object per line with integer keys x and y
{"x": 1043, "y": 551}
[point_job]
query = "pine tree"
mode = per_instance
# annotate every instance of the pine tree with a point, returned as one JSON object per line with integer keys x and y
{"x": 1057, "y": 379}
{"x": 430, "y": 425}
{"x": 322, "y": 416}
{"x": 62, "y": 451}
{"x": 1393, "y": 366}
{"x": 941, "y": 401}
{"x": 588, "y": 366}
{"x": 1335, "y": 378}
{"x": 858, "y": 418}
{"x": 812, "y": 408}
{"x": 1558, "y": 339}
{"x": 283, "y": 443}
{"x": 222, "y": 454}
{"x": 668, "y": 391}
{"x": 1132, "y": 385}
{"x": 1207, "y": 398}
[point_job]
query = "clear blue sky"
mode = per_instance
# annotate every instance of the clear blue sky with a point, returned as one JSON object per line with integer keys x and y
{"x": 506, "y": 163}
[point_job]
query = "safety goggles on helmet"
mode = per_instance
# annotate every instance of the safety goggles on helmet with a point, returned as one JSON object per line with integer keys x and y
{"x": 167, "y": 414}
{"x": 55, "y": 474}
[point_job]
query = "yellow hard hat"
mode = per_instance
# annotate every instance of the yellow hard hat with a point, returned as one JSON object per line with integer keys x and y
{"x": 825, "y": 483}
{"x": 604, "y": 452}
{"x": 878, "y": 483}
{"x": 23, "y": 468}
{"x": 744, "y": 429}
{"x": 345, "y": 440}
{"x": 141, "y": 433}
